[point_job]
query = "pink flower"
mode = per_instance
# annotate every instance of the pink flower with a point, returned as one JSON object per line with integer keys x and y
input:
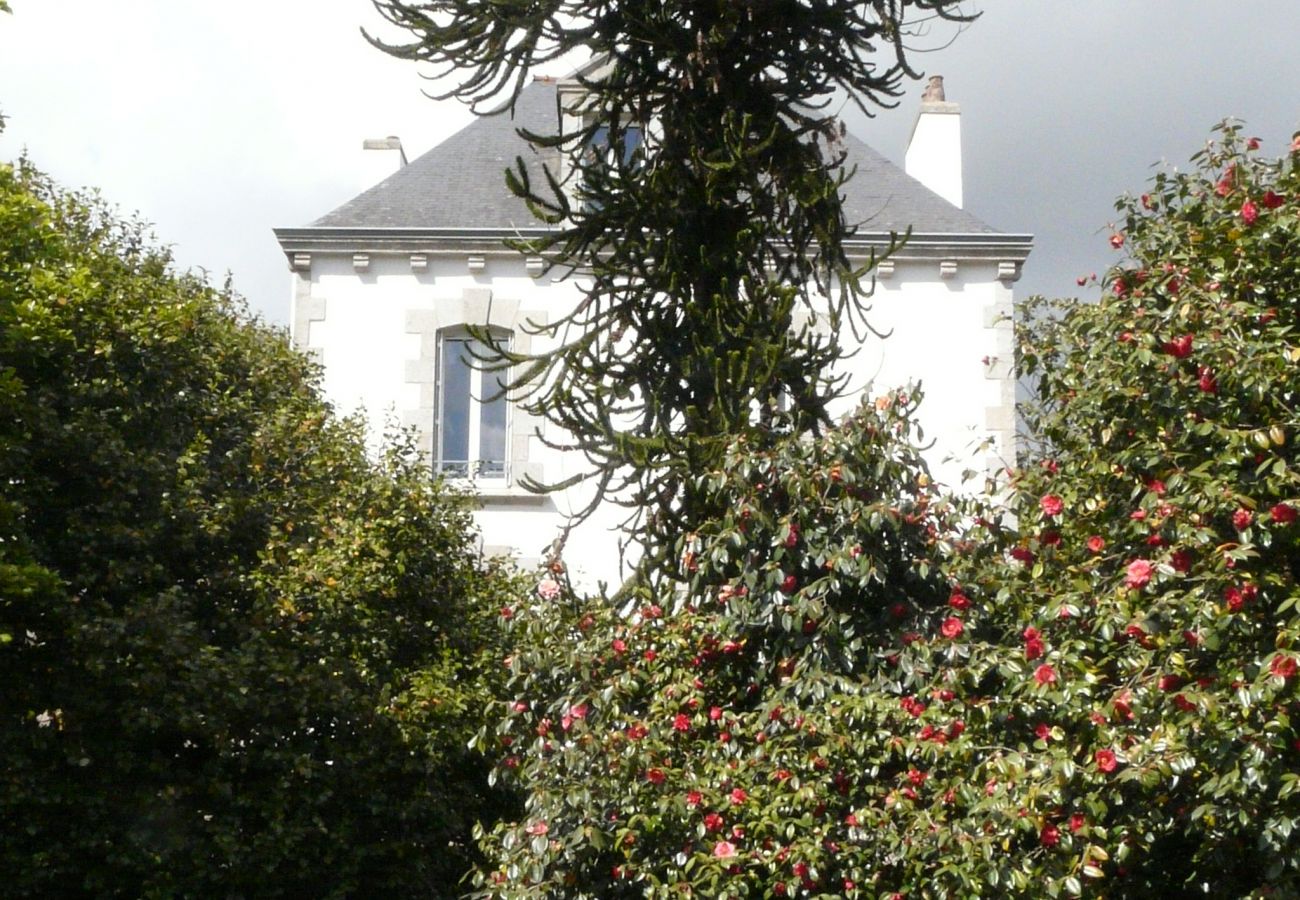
{"x": 952, "y": 627}
{"x": 1105, "y": 760}
{"x": 1045, "y": 675}
{"x": 1138, "y": 574}
{"x": 548, "y": 588}
{"x": 724, "y": 850}
{"x": 619, "y": 645}
{"x": 715, "y": 713}
{"x": 1282, "y": 513}
{"x": 739, "y": 796}
{"x": 1051, "y": 505}
{"x": 1241, "y": 519}
{"x": 1117, "y": 240}
{"x": 1282, "y": 666}
{"x": 1249, "y": 212}
{"x": 538, "y": 828}
{"x": 1252, "y": 143}
{"x": 1096, "y": 544}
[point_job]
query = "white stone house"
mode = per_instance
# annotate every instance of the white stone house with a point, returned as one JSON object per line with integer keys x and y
{"x": 385, "y": 284}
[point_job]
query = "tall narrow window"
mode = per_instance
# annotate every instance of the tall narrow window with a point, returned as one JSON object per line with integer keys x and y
{"x": 472, "y": 408}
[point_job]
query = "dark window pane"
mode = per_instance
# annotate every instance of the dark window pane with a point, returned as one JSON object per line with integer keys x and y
{"x": 455, "y": 412}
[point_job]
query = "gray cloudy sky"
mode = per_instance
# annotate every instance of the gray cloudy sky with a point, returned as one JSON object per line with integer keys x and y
{"x": 219, "y": 121}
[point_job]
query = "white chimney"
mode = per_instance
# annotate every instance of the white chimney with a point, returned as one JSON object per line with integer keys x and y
{"x": 382, "y": 157}
{"x": 934, "y": 152}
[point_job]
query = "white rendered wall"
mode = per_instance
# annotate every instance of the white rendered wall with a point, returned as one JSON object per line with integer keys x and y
{"x": 945, "y": 325}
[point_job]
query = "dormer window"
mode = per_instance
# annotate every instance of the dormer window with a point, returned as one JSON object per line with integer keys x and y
{"x": 601, "y": 147}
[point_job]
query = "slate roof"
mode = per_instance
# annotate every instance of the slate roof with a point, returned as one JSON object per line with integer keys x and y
{"x": 460, "y": 183}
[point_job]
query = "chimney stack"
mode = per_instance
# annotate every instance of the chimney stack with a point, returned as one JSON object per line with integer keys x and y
{"x": 382, "y": 158}
{"x": 934, "y": 152}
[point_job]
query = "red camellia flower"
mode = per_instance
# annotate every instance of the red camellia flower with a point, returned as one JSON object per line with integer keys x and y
{"x": 1236, "y": 597}
{"x": 1249, "y": 212}
{"x": 1207, "y": 382}
{"x": 1282, "y": 513}
{"x": 1096, "y": 544}
{"x": 681, "y": 722}
{"x": 1051, "y": 505}
{"x": 1179, "y": 347}
{"x": 789, "y": 584}
{"x": 1181, "y": 560}
{"x": 1117, "y": 240}
{"x": 958, "y": 600}
{"x": 1022, "y": 554}
{"x": 1241, "y": 519}
{"x": 1050, "y": 836}
{"x": 1045, "y": 675}
{"x": 713, "y": 822}
{"x": 655, "y": 776}
{"x": 1106, "y": 761}
{"x": 1043, "y": 731}
{"x": 693, "y": 798}
{"x": 1272, "y": 200}
{"x": 1138, "y": 574}
{"x": 1034, "y": 646}
{"x": 1169, "y": 682}
{"x": 738, "y": 795}
{"x": 1077, "y": 822}
{"x": 952, "y": 627}
{"x": 1282, "y": 666}
{"x": 636, "y": 731}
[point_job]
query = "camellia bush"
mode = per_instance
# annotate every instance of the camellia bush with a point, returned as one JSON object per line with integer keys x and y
{"x": 1155, "y": 573}
{"x": 853, "y": 687}
{"x": 748, "y": 726}
{"x": 239, "y": 656}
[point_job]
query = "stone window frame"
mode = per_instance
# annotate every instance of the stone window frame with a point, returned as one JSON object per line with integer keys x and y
{"x": 475, "y": 307}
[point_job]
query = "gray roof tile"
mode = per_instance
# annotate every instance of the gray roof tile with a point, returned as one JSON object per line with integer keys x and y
{"x": 460, "y": 183}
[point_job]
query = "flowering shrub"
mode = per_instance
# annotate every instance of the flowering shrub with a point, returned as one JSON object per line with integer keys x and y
{"x": 750, "y": 725}
{"x": 1157, "y": 509}
{"x": 853, "y": 688}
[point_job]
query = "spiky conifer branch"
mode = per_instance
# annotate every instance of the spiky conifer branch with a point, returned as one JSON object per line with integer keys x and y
{"x": 705, "y": 253}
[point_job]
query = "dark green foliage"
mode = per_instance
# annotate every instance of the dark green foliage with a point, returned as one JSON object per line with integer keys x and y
{"x": 239, "y": 657}
{"x": 700, "y": 201}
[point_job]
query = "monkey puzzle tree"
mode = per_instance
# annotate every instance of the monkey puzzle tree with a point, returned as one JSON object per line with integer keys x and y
{"x": 702, "y": 206}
